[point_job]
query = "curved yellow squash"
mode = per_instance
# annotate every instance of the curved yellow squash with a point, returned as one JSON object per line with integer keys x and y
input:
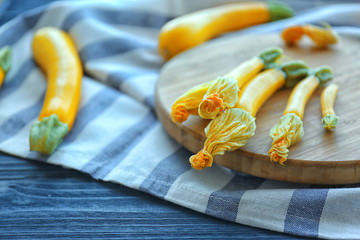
{"x": 55, "y": 53}
{"x": 328, "y": 96}
{"x": 2, "y": 76}
{"x": 192, "y": 29}
{"x": 5, "y": 62}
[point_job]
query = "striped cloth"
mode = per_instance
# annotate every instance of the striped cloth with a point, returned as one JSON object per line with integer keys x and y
{"x": 118, "y": 138}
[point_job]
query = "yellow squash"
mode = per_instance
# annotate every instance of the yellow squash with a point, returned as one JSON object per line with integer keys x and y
{"x": 55, "y": 53}
{"x": 328, "y": 96}
{"x": 195, "y": 28}
{"x": 257, "y": 91}
{"x": 231, "y": 129}
{"x": 209, "y": 98}
{"x": 188, "y": 103}
{"x": 289, "y": 130}
{"x": 5, "y": 62}
{"x": 2, "y": 76}
{"x": 224, "y": 91}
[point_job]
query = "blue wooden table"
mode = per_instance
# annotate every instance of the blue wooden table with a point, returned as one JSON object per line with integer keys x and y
{"x": 42, "y": 201}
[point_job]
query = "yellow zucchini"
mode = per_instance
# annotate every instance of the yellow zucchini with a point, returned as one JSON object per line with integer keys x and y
{"x": 5, "y": 62}
{"x": 289, "y": 130}
{"x": 231, "y": 129}
{"x": 195, "y": 28}
{"x": 328, "y": 96}
{"x": 208, "y": 98}
{"x": 55, "y": 53}
{"x": 224, "y": 91}
{"x": 188, "y": 103}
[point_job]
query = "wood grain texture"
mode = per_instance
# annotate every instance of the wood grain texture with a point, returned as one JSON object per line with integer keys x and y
{"x": 321, "y": 157}
{"x": 42, "y": 201}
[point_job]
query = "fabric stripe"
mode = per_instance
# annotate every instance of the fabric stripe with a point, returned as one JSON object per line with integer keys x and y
{"x": 116, "y": 78}
{"x": 140, "y": 19}
{"x": 24, "y": 96}
{"x": 159, "y": 181}
{"x": 304, "y": 212}
{"x": 340, "y": 216}
{"x": 140, "y": 87}
{"x": 90, "y": 31}
{"x": 14, "y": 83}
{"x": 3, "y": 7}
{"x": 266, "y": 206}
{"x": 89, "y": 89}
{"x": 139, "y": 60}
{"x": 153, "y": 148}
{"x": 194, "y": 188}
{"x": 18, "y": 144}
{"x": 19, "y": 120}
{"x": 150, "y": 101}
{"x": 224, "y": 203}
{"x": 112, "y": 47}
{"x": 115, "y": 152}
{"x": 20, "y": 26}
{"x": 95, "y": 107}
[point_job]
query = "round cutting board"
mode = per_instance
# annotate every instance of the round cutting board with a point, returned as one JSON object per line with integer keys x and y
{"x": 321, "y": 157}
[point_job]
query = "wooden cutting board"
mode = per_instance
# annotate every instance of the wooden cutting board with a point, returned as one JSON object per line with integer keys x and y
{"x": 321, "y": 157}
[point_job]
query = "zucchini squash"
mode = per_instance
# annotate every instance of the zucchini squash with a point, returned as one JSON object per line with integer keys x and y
{"x": 190, "y": 30}
{"x": 328, "y": 96}
{"x": 224, "y": 91}
{"x": 289, "y": 130}
{"x": 55, "y": 53}
{"x": 231, "y": 129}
{"x": 209, "y": 98}
{"x": 5, "y": 62}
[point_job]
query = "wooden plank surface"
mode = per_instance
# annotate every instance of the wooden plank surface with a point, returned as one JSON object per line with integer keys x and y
{"x": 321, "y": 157}
{"x": 42, "y": 201}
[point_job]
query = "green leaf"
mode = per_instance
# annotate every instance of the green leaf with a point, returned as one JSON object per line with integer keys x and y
{"x": 5, "y": 58}
{"x": 279, "y": 10}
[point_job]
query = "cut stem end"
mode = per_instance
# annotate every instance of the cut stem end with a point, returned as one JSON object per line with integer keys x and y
{"x": 330, "y": 122}
{"x": 46, "y": 135}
